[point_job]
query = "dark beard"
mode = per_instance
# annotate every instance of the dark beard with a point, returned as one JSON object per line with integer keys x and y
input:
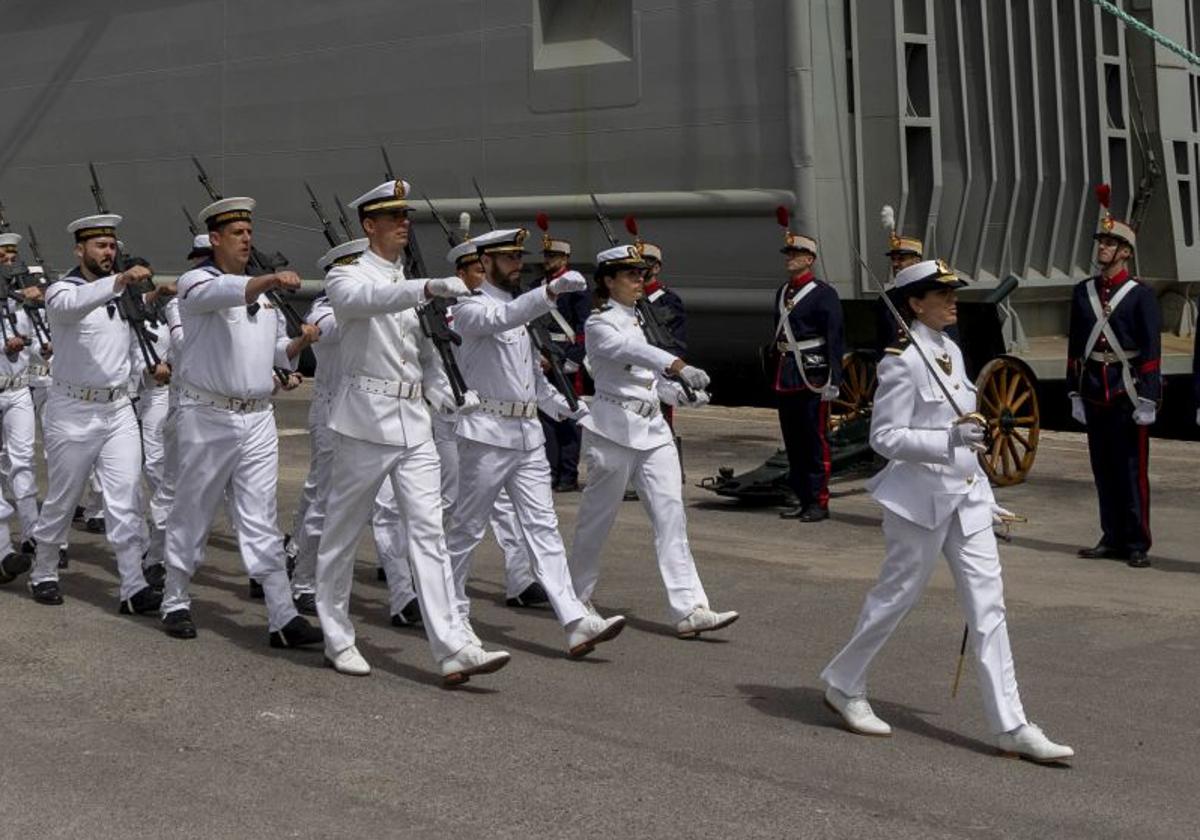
{"x": 97, "y": 268}
{"x": 500, "y": 281}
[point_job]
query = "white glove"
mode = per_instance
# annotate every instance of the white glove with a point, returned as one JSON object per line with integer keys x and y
{"x": 572, "y": 281}
{"x": 969, "y": 434}
{"x": 570, "y": 367}
{"x": 450, "y": 287}
{"x": 1145, "y": 412}
{"x": 469, "y": 405}
{"x": 579, "y": 413}
{"x": 695, "y": 378}
{"x": 830, "y": 393}
{"x": 1077, "y": 409}
{"x": 999, "y": 514}
{"x": 702, "y": 398}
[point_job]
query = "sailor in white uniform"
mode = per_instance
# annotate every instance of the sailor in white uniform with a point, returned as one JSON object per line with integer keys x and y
{"x": 89, "y": 422}
{"x": 382, "y": 433}
{"x": 502, "y": 446}
{"x": 936, "y": 500}
{"x": 225, "y": 437}
{"x": 627, "y": 440}
{"x": 386, "y": 524}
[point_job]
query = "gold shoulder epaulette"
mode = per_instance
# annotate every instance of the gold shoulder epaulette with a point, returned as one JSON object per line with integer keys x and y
{"x": 899, "y": 347}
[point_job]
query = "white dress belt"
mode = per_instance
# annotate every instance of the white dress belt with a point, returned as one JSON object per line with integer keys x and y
{"x": 503, "y": 408}
{"x": 642, "y": 408}
{"x": 89, "y": 394}
{"x": 17, "y": 380}
{"x": 1108, "y": 357}
{"x": 234, "y": 404}
{"x": 802, "y": 344}
{"x": 387, "y": 387}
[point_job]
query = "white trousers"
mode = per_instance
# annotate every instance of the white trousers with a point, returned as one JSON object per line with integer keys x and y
{"x": 359, "y": 469}
{"x": 221, "y": 450}
{"x": 483, "y": 472}
{"x": 309, "y": 521}
{"x": 518, "y": 571}
{"x": 153, "y": 408}
{"x": 79, "y": 437}
{"x": 912, "y": 552}
{"x": 18, "y": 432}
{"x": 655, "y": 474}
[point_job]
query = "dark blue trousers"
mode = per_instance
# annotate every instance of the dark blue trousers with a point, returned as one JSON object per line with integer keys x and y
{"x": 1120, "y": 454}
{"x": 563, "y": 438}
{"x": 804, "y": 420}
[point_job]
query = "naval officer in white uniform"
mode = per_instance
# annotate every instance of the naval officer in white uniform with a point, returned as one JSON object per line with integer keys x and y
{"x": 502, "y": 446}
{"x": 627, "y": 439}
{"x": 382, "y": 433}
{"x": 936, "y": 500}
{"x": 89, "y": 422}
{"x": 225, "y": 436}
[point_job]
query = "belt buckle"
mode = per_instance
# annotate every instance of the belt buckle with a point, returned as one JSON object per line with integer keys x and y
{"x": 236, "y": 404}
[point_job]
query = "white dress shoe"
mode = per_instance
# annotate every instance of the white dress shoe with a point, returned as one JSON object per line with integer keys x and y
{"x": 585, "y": 633}
{"x": 349, "y": 661}
{"x": 856, "y": 713}
{"x": 1028, "y": 741}
{"x": 703, "y": 620}
{"x": 469, "y": 661}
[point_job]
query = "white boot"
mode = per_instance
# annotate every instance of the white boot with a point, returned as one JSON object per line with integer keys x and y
{"x": 349, "y": 661}
{"x": 585, "y": 633}
{"x": 1028, "y": 741}
{"x": 703, "y": 620}
{"x": 856, "y": 713}
{"x": 469, "y": 661}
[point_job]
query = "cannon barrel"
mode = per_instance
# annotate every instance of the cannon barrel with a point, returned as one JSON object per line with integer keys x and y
{"x": 1006, "y": 288}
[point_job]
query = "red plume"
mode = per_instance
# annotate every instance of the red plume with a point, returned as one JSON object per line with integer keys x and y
{"x": 1104, "y": 194}
{"x": 631, "y": 225}
{"x": 783, "y": 216}
{"x": 543, "y": 221}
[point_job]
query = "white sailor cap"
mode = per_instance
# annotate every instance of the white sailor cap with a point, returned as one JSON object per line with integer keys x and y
{"x": 509, "y": 241}
{"x": 622, "y": 256}
{"x": 91, "y": 227}
{"x": 226, "y": 210}
{"x": 341, "y": 254}
{"x": 388, "y": 196}
{"x": 201, "y": 245}
{"x": 928, "y": 274}
{"x": 10, "y": 239}
{"x": 463, "y": 253}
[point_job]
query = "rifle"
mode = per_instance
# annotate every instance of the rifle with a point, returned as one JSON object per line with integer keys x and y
{"x": 326, "y": 226}
{"x": 345, "y": 223}
{"x": 414, "y": 264}
{"x": 436, "y": 327}
{"x": 18, "y": 273}
{"x": 193, "y": 228}
{"x": 538, "y": 329}
{"x": 260, "y": 264}
{"x": 39, "y": 323}
{"x": 130, "y": 303}
{"x": 437, "y": 217}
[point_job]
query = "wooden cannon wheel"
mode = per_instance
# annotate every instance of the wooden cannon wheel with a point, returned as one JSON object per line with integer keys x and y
{"x": 1008, "y": 399}
{"x": 858, "y": 389}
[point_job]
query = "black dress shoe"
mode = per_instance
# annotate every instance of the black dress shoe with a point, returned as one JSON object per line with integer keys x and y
{"x": 380, "y": 574}
{"x": 306, "y": 603}
{"x": 95, "y": 525}
{"x": 805, "y": 513}
{"x": 1101, "y": 551}
{"x": 296, "y": 633}
{"x": 155, "y": 575}
{"x": 145, "y": 600}
{"x": 1138, "y": 559}
{"x": 46, "y": 593}
{"x": 78, "y": 516}
{"x": 409, "y": 616}
{"x": 29, "y": 546}
{"x": 63, "y": 560}
{"x": 14, "y": 564}
{"x": 256, "y": 590}
{"x": 178, "y": 624}
{"x": 531, "y": 596}
{"x": 630, "y": 496}
{"x": 567, "y": 487}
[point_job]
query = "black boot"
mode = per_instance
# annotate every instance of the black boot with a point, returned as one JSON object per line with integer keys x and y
{"x": 95, "y": 525}
{"x": 178, "y": 624}
{"x": 46, "y": 592}
{"x": 1101, "y": 551}
{"x": 1138, "y": 559}
{"x": 531, "y": 596}
{"x": 256, "y": 590}
{"x": 145, "y": 600}
{"x": 296, "y": 633}
{"x": 155, "y": 575}
{"x": 14, "y": 564}
{"x": 409, "y": 616}
{"x": 306, "y": 603}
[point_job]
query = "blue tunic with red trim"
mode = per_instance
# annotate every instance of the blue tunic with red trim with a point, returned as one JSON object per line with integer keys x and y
{"x": 818, "y": 315}
{"x": 1137, "y": 325}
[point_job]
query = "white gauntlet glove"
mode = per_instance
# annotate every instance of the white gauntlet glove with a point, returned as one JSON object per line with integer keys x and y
{"x": 969, "y": 434}
{"x": 702, "y": 398}
{"x": 572, "y": 281}
{"x": 470, "y": 404}
{"x": 1145, "y": 412}
{"x": 1077, "y": 410}
{"x": 696, "y": 379}
{"x": 830, "y": 393}
{"x": 450, "y": 287}
{"x": 579, "y": 413}
{"x": 999, "y": 515}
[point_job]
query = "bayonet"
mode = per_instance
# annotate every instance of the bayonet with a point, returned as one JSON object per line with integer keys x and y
{"x": 326, "y": 226}
{"x": 345, "y": 223}
{"x": 450, "y": 237}
{"x": 193, "y": 228}
{"x": 603, "y": 220}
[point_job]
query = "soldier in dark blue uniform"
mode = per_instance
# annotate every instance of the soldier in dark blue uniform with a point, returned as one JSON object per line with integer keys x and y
{"x": 1114, "y": 375}
{"x": 808, "y": 374}
{"x": 565, "y": 325}
{"x": 902, "y": 252}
